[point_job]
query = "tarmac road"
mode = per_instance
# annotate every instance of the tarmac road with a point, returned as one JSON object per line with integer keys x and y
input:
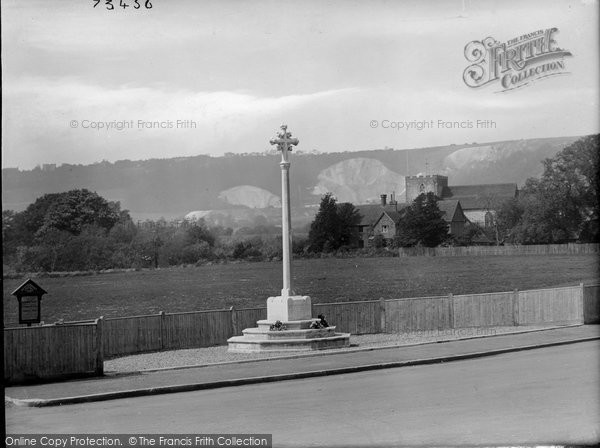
{"x": 543, "y": 395}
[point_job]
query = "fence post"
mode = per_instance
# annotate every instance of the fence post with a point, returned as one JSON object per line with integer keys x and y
{"x": 581, "y": 302}
{"x": 515, "y": 307}
{"x": 451, "y": 310}
{"x": 99, "y": 346}
{"x": 381, "y": 315}
{"x": 161, "y": 336}
{"x": 234, "y": 324}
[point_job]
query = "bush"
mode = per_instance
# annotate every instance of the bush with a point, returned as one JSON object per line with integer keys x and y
{"x": 248, "y": 250}
{"x": 378, "y": 241}
{"x": 195, "y": 252}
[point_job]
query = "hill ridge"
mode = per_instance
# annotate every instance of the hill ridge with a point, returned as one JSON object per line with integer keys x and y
{"x": 175, "y": 186}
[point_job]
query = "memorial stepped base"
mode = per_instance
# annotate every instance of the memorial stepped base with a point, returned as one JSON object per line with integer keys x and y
{"x": 298, "y": 336}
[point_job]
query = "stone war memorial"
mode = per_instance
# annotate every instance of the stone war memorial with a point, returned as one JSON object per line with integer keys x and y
{"x": 289, "y": 325}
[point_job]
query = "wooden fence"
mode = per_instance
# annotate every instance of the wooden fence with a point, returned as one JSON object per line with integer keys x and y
{"x": 197, "y": 329}
{"x": 423, "y": 313}
{"x": 591, "y": 304}
{"x": 246, "y": 318}
{"x": 483, "y": 310}
{"x": 33, "y": 354}
{"x": 540, "y": 249}
{"x": 79, "y": 348}
{"x": 559, "y": 305}
{"x": 361, "y": 317}
{"x": 165, "y": 331}
{"x": 135, "y": 334}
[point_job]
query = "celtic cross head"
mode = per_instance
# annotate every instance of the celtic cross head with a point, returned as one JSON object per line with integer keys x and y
{"x": 284, "y": 142}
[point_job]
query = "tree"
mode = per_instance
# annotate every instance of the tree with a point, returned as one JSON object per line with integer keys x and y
{"x": 70, "y": 211}
{"x": 66, "y": 231}
{"x": 422, "y": 224}
{"x": 32, "y": 218}
{"x": 9, "y": 232}
{"x": 197, "y": 233}
{"x": 575, "y": 172}
{"x": 333, "y": 225}
{"x": 508, "y": 217}
{"x": 543, "y": 221}
{"x": 571, "y": 181}
{"x": 349, "y": 218}
{"x": 325, "y": 229}
{"x": 73, "y": 210}
{"x": 563, "y": 204}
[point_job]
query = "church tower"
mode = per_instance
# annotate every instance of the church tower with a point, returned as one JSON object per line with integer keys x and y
{"x": 419, "y": 184}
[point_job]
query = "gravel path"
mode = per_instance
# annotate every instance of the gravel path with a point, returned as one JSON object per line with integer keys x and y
{"x": 219, "y": 354}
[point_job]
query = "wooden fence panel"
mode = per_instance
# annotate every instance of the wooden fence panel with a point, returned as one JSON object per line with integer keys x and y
{"x": 559, "y": 305}
{"x": 129, "y": 335}
{"x": 483, "y": 310}
{"x": 49, "y": 352}
{"x": 55, "y": 351}
{"x": 351, "y": 317}
{"x": 540, "y": 249}
{"x": 591, "y": 304}
{"x": 418, "y": 314}
{"x": 247, "y": 318}
{"x": 196, "y": 329}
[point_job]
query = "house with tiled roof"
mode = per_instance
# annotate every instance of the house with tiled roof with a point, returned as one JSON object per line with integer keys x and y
{"x": 384, "y": 219}
{"x": 372, "y": 214}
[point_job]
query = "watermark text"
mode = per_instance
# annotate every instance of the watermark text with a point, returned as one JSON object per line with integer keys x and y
{"x": 140, "y": 125}
{"x": 438, "y": 124}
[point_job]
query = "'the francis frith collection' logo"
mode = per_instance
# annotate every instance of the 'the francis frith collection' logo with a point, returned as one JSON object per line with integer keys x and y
{"x": 516, "y": 62}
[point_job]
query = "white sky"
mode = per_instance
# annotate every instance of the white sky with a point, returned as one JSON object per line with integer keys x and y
{"x": 241, "y": 68}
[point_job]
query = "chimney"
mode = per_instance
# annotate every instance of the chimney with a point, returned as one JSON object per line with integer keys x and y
{"x": 383, "y": 199}
{"x": 393, "y": 198}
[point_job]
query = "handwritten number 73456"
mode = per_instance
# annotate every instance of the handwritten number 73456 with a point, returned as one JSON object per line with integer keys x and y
{"x": 124, "y": 4}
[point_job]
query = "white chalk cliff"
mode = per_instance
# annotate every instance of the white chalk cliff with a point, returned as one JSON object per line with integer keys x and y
{"x": 485, "y": 154}
{"x": 359, "y": 180}
{"x": 250, "y": 196}
{"x": 197, "y": 215}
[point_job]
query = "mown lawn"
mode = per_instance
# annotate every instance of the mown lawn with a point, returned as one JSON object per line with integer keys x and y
{"x": 325, "y": 280}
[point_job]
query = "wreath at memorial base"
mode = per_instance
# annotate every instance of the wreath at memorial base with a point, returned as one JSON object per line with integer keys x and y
{"x": 321, "y": 323}
{"x": 277, "y": 326}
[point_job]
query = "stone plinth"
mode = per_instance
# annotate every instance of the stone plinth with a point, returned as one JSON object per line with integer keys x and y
{"x": 288, "y": 308}
{"x": 294, "y": 314}
{"x": 259, "y": 340}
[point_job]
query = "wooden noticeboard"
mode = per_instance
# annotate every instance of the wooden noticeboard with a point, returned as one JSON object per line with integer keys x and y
{"x": 29, "y": 295}
{"x": 29, "y": 310}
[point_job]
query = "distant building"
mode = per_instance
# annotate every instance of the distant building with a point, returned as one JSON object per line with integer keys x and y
{"x": 454, "y": 215}
{"x": 384, "y": 219}
{"x": 416, "y": 185}
{"x": 378, "y": 219}
{"x": 478, "y": 202}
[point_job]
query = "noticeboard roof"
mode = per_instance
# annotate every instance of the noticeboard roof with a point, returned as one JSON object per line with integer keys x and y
{"x": 29, "y": 288}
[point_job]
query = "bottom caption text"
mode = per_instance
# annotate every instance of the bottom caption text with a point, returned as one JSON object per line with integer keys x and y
{"x": 139, "y": 440}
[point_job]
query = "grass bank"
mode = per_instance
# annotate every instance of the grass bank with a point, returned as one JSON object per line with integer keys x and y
{"x": 325, "y": 280}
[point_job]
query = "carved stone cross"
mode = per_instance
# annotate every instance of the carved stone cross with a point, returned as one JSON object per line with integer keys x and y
{"x": 284, "y": 142}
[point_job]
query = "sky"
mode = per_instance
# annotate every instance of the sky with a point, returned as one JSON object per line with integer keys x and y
{"x": 339, "y": 73}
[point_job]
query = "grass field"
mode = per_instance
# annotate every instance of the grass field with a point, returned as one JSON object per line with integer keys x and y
{"x": 325, "y": 280}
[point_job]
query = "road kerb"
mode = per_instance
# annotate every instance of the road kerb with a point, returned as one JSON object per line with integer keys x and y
{"x": 33, "y": 402}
